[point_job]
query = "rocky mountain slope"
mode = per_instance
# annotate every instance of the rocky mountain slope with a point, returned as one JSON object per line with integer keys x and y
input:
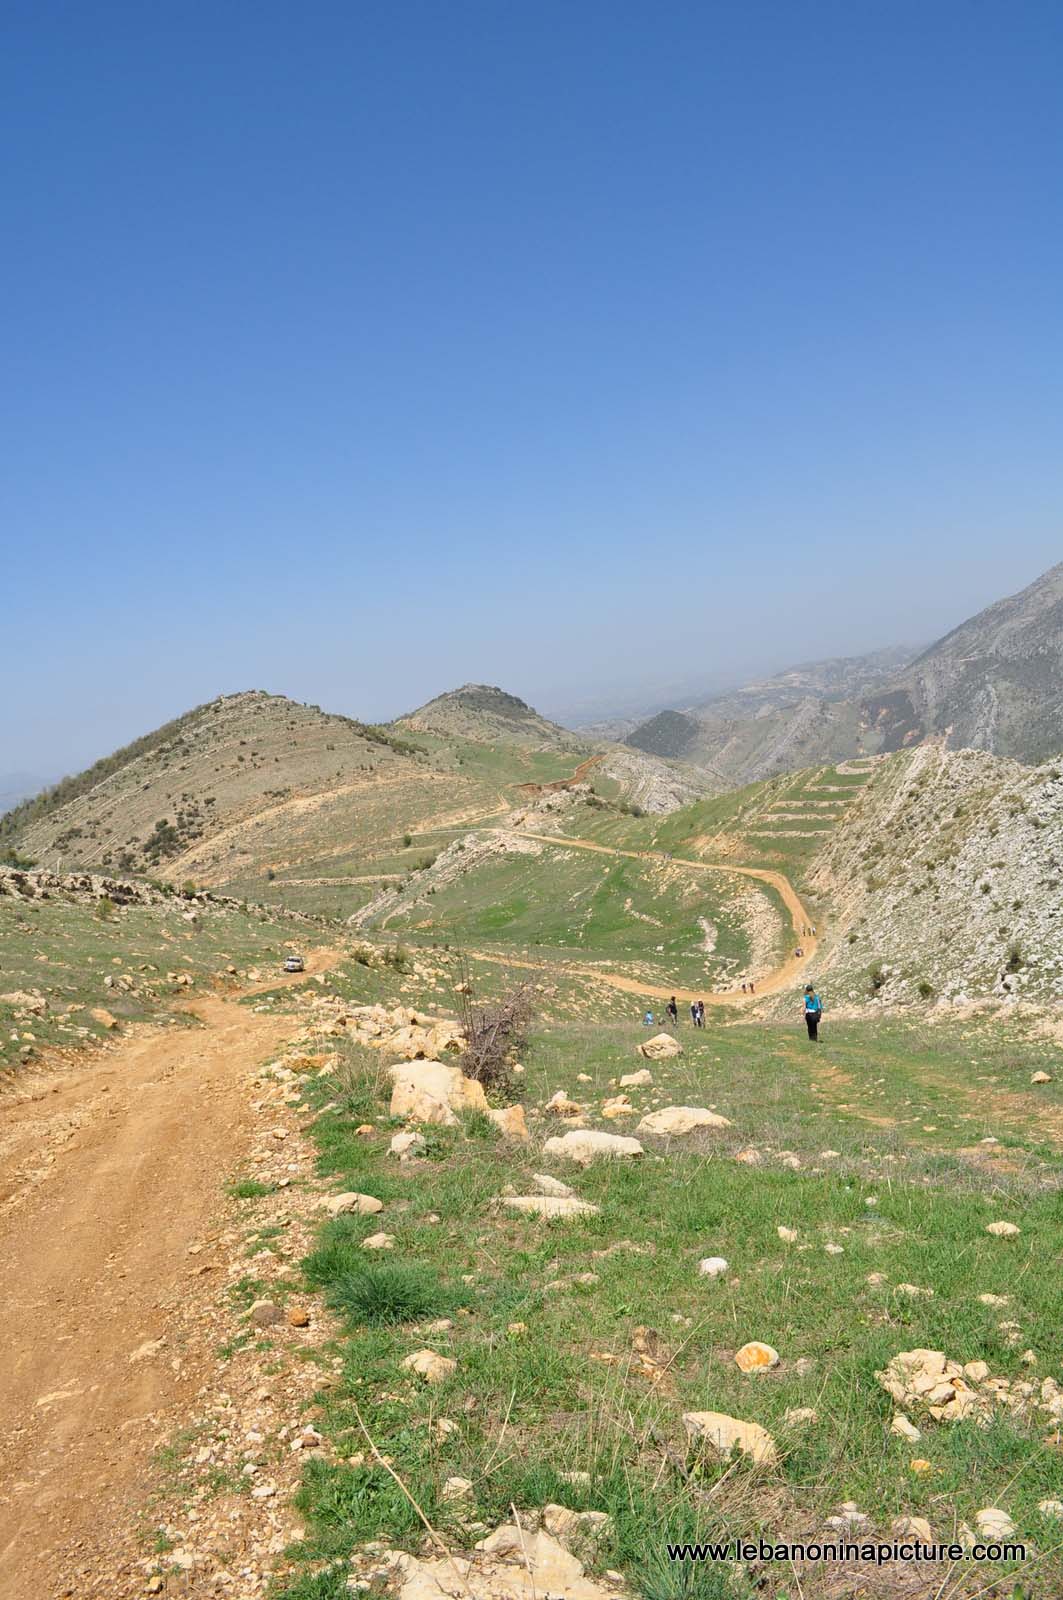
{"x": 808, "y": 714}
{"x": 489, "y": 715}
{"x": 943, "y": 881}
{"x": 994, "y": 683}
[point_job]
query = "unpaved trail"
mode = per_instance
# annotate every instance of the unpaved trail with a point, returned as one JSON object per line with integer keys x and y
{"x": 112, "y": 1174}
{"x": 782, "y": 977}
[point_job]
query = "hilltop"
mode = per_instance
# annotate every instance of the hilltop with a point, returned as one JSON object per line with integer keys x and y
{"x": 489, "y": 715}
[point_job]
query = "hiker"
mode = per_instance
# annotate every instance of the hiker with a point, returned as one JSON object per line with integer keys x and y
{"x": 693, "y": 1013}
{"x": 751, "y": 989}
{"x": 701, "y": 1013}
{"x": 813, "y": 1012}
{"x": 647, "y": 1021}
{"x": 743, "y": 988}
{"x": 673, "y": 1012}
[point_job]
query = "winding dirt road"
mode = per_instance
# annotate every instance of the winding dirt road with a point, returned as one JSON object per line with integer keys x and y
{"x": 111, "y": 1177}
{"x": 781, "y": 978}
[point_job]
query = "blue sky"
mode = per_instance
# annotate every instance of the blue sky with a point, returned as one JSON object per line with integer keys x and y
{"x": 356, "y": 350}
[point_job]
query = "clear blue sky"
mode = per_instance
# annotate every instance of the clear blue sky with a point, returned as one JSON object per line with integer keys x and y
{"x": 355, "y": 350}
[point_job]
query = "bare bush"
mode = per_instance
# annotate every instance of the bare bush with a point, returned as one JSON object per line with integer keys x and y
{"x": 496, "y": 1031}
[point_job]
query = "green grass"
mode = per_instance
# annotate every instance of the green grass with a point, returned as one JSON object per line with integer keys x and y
{"x": 532, "y": 1405}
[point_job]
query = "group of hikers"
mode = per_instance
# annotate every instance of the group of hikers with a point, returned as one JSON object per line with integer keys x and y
{"x": 669, "y": 1017}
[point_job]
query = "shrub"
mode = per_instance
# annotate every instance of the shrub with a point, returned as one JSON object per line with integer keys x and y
{"x": 1015, "y": 960}
{"x": 407, "y": 840}
{"x": 388, "y": 1292}
{"x": 105, "y": 908}
{"x": 495, "y": 1033}
{"x": 924, "y": 989}
{"x": 876, "y": 974}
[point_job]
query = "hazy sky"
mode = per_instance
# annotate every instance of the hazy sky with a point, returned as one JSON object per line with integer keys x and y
{"x": 355, "y": 350}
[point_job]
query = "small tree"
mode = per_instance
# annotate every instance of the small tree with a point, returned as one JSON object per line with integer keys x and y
{"x": 496, "y": 1032}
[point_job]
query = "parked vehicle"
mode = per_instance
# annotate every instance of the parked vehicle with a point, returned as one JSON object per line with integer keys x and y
{"x": 294, "y": 964}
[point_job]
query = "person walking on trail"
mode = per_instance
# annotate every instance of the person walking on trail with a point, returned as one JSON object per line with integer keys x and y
{"x": 701, "y": 1013}
{"x": 647, "y": 1021}
{"x": 693, "y": 1013}
{"x": 673, "y": 1012}
{"x": 813, "y": 1012}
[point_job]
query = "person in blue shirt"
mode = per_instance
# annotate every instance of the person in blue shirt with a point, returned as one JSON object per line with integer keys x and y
{"x": 813, "y": 1012}
{"x": 647, "y": 1021}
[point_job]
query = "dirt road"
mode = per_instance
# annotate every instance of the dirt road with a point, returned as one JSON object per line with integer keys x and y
{"x": 781, "y": 978}
{"x": 111, "y": 1175}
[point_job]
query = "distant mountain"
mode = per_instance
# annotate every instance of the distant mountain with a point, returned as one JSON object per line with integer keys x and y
{"x": 994, "y": 683}
{"x": 805, "y": 715}
{"x": 489, "y": 716}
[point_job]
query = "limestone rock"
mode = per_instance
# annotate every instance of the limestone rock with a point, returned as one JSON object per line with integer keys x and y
{"x": 992, "y": 1523}
{"x": 431, "y": 1091}
{"x": 1002, "y": 1230}
{"x": 660, "y": 1048}
{"x": 681, "y": 1119}
{"x": 266, "y": 1313}
{"x": 457, "y": 1489}
{"x": 618, "y": 1106}
{"x": 725, "y": 1434}
{"x": 351, "y": 1204}
{"x": 912, "y": 1528}
{"x": 428, "y": 1365}
{"x": 513, "y": 1563}
{"x": 580, "y": 1531}
{"x": 787, "y": 1235}
{"x": 407, "y": 1145}
{"x": 798, "y": 1416}
{"x": 1041, "y": 1077}
{"x": 101, "y": 1015}
{"x": 559, "y": 1105}
{"x": 379, "y": 1241}
{"x": 509, "y": 1120}
{"x": 712, "y": 1267}
{"x": 905, "y": 1429}
{"x": 756, "y": 1357}
{"x": 587, "y": 1144}
{"x": 544, "y": 1184}
{"x": 642, "y": 1079}
{"x": 550, "y": 1206}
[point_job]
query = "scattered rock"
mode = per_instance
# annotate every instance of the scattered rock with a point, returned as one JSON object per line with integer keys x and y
{"x": 457, "y": 1489}
{"x": 712, "y": 1267}
{"x": 509, "y": 1120}
{"x": 642, "y": 1079}
{"x": 379, "y": 1241}
{"x": 351, "y": 1204}
{"x": 660, "y": 1048}
{"x": 905, "y": 1429}
{"x": 101, "y": 1015}
{"x": 587, "y": 1144}
{"x": 430, "y": 1091}
{"x": 1041, "y": 1077}
{"x": 298, "y": 1317}
{"x": 407, "y": 1145}
{"x": 992, "y": 1523}
{"x": 428, "y": 1365}
{"x": 787, "y": 1235}
{"x": 543, "y": 1182}
{"x": 1002, "y": 1230}
{"x": 559, "y": 1105}
{"x": 912, "y": 1528}
{"x": 564, "y": 1207}
{"x": 618, "y": 1106}
{"x": 513, "y": 1563}
{"x": 799, "y": 1415}
{"x": 756, "y": 1357}
{"x": 265, "y": 1313}
{"x": 724, "y": 1434}
{"x": 1050, "y": 1508}
{"x": 681, "y": 1119}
